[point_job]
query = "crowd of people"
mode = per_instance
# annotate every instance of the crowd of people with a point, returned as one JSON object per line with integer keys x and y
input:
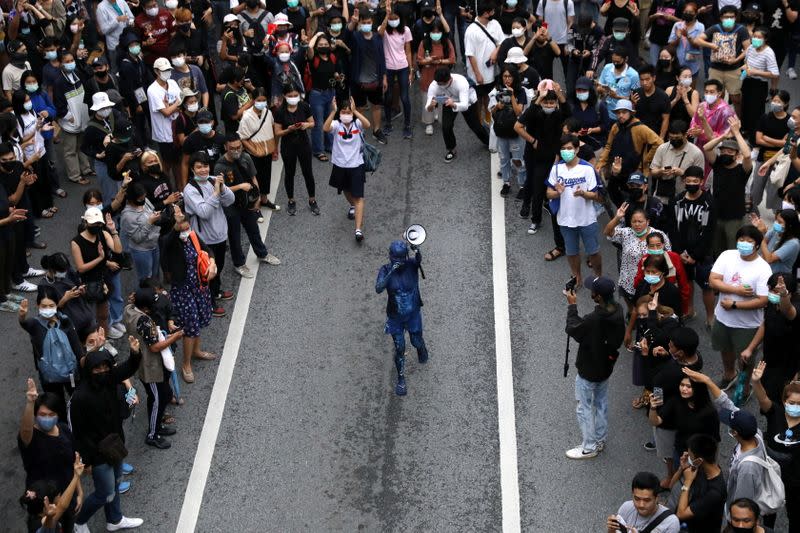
{"x": 672, "y": 120}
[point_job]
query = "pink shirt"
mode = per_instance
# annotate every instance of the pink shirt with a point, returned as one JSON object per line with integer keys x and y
{"x": 394, "y": 49}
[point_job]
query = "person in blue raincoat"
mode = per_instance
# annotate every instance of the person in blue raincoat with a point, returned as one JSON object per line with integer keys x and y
{"x": 400, "y": 279}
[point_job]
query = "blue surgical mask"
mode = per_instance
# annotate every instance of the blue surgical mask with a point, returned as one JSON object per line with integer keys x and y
{"x": 582, "y": 96}
{"x": 655, "y": 252}
{"x": 31, "y": 87}
{"x": 652, "y": 279}
{"x": 567, "y": 155}
{"x": 777, "y": 227}
{"x": 756, "y": 42}
{"x": 773, "y": 298}
{"x": 337, "y": 27}
{"x": 436, "y": 37}
{"x": 48, "y": 312}
{"x": 46, "y": 423}
{"x": 365, "y": 28}
{"x": 205, "y": 128}
{"x": 511, "y": 3}
{"x": 619, "y": 35}
{"x": 792, "y": 410}
{"x": 261, "y": 106}
{"x": 134, "y": 50}
{"x": 292, "y": 3}
{"x": 27, "y": 106}
{"x": 548, "y": 110}
{"x": 728, "y": 23}
{"x": 50, "y": 55}
{"x": 745, "y": 248}
{"x": 69, "y": 67}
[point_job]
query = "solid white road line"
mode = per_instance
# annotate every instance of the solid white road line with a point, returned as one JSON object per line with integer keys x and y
{"x": 193, "y": 498}
{"x": 506, "y": 421}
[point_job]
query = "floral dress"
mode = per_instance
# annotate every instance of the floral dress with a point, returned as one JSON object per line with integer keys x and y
{"x": 633, "y": 248}
{"x": 191, "y": 300}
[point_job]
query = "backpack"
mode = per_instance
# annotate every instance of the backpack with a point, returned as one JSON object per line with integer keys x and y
{"x": 307, "y": 82}
{"x": 773, "y": 493}
{"x": 58, "y": 363}
{"x": 203, "y": 260}
{"x": 256, "y": 43}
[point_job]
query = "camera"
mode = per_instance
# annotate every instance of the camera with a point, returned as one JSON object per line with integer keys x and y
{"x": 440, "y": 99}
{"x": 505, "y": 95}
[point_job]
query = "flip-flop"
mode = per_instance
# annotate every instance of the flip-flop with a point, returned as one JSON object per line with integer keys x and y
{"x": 322, "y": 157}
{"x": 188, "y": 376}
{"x": 61, "y": 193}
{"x": 47, "y": 213}
{"x": 167, "y": 419}
{"x": 205, "y": 356}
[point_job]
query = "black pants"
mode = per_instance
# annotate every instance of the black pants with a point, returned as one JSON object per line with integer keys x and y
{"x": 754, "y": 93}
{"x": 263, "y": 172}
{"x": 247, "y": 219}
{"x": 292, "y": 151}
{"x": 6, "y": 266}
{"x": 39, "y": 192}
{"x": 558, "y": 238}
{"x": 20, "y": 262}
{"x": 158, "y": 396}
{"x": 471, "y": 117}
{"x": 219, "y": 257}
{"x": 535, "y": 187}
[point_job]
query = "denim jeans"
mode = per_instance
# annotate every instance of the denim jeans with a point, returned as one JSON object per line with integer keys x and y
{"x": 145, "y": 262}
{"x": 592, "y": 411}
{"x": 105, "y": 478}
{"x": 115, "y": 301}
{"x": 511, "y": 152}
{"x": 320, "y": 107}
{"x": 249, "y": 219}
{"x": 108, "y": 187}
{"x": 402, "y": 81}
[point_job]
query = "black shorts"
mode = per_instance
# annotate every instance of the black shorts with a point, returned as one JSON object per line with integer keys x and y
{"x": 349, "y": 179}
{"x": 484, "y": 90}
{"x": 361, "y": 96}
{"x": 699, "y": 273}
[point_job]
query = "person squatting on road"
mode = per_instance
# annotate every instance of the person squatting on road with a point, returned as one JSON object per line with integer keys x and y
{"x": 400, "y": 279}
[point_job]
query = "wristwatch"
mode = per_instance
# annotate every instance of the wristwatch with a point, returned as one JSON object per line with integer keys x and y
{"x": 733, "y": 305}
{"x": 684, "y": 488}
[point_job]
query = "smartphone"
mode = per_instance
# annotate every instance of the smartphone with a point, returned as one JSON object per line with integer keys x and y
{"x": 667, "y": 168}
{"x": 658, "y": 392}
{"x": 137, "y": 152}
{"x": 571, "y": 283}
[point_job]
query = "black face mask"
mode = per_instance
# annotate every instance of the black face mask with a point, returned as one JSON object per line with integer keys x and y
{"x": 17, "y": 56}
{"x": 725, "y": 159}
{"x": 154, "y": 169}
{"x": 677, "y": 143}
{"x": 691, "y": 189}
{"x": 618, "y": 65}
{"x": 102, "y": 379}
{"x": 184, "y": 27}
{"x": 635, "y": 194}
{"x": 252, "y": 4}
{"x": 95, "y": 230}
{"x": 664, "y": 63}
{"x": 7, "y": 166}
{"x": 281, "y": 33}
{"x": 139, "y": 202}
{"x": 688, "y": 17}
{"x": 323, "y": 51}
{"x": 101, "y": 73}
{"x": 734, "y": 529}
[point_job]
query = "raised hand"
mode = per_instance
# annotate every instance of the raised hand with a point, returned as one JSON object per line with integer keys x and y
{"x": 31, "y": 393}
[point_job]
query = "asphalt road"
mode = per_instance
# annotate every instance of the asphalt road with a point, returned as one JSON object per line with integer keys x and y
{"x": 313, "y": 438}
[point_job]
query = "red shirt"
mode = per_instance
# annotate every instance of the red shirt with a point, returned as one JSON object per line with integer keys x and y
{"x": 161, "y": 28}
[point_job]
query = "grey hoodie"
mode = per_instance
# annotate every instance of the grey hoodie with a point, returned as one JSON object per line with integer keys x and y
{"x": 140, "y": 234}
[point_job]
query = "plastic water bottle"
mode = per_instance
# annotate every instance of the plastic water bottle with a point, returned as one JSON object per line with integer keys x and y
{"x": 738, "y": 391}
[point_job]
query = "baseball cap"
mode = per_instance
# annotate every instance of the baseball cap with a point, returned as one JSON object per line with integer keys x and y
{"x": 99, "y": 61}
{"x": 204, "y": 115}
{"x": 624, "y": 104}
{"x": 637, "y": 178}
{"x": 93, "y": 215}
{"x": 584, "y": 83}
{"x": 742, "y": 422}
{"x": 600, "y": 285}
{"x": 730, "y": 143}
{"x": 230, "y": 17}
{"x": 620, "y": 23}
{"x": 162, "y": 63}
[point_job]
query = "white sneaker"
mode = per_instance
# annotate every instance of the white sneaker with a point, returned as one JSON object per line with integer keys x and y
{"x": 25, "y": 286}
{"x": 110, "y": 349}
{"x": 244, "y": 271}
{"x": 270, "y": 260}
{"x": 791, "y": 73}
{"x": 114, "y": 333}
{"x": 34, "y": 273}
{"x": 579, "y": 453}
{"x": 81, "y": 528}
{"x": 125, "y": 523}
{"x": 429, "y": 129}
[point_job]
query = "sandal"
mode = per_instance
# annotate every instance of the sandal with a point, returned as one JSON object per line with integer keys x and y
{"x": 61, "y": 193}
{"x": 553, "y": 254}
{"x": 80, "y": 181}
{"x": 47, "y": 213}
{"x": 167, "y": 419}
{"x": 322, "y": 157}
{"x": 205, "y": 356}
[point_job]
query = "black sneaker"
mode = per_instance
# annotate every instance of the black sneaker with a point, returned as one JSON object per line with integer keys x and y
{"x": 158, "y": 442}
{"x": 380, "y": 136}
{"x": 521, "y": 193}
{"x": 525, "y": 212}
{"x": 449, "y": 156}
{"x": 351, "y": 212}
{"x": 270, "y": 205}
{"x": 166, "y": 431}
{"x": 359, "y": 235}
{"x": 314, "y": 207}
{"x": 650, "y": 446}
{"x": 291, "y": 208}
{"x": 505, "y": 190}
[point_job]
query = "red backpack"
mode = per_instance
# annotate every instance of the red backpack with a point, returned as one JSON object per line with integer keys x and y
{"x": 307, "y": 71}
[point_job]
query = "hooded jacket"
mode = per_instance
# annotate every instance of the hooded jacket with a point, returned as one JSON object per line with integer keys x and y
{"x": 93, "y": 411}
{"x": 599, "y": 334}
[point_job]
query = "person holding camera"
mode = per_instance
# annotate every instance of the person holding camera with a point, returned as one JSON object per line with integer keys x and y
{"x": 239, "y": 174}
{"x": 599, "y": 335}
{"x": 506, "y": 102}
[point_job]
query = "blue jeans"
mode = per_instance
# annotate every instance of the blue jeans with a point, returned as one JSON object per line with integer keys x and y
{"x": 655, "y": 50}
{"x": 511, "y": 152}
{"x": 249, "y": 219}
{"x": 402, "y": 80}
{"x": 320, "y": 108}
{"x": 105, "y": 478}
{"x": 592, "y": 410}
{"x": 115, "y": 301}
{"x": 108, "y": 187}
{"x": 145, "y": 262}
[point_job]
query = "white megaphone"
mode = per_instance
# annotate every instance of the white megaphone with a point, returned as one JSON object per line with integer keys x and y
{"x": 415, "y": 234}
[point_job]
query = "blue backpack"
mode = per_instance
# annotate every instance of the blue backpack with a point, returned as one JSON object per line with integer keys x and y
{"x": 58, "y": 363}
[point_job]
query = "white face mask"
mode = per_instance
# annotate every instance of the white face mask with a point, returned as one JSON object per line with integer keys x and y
{"x": 60, "y": 275}
{"x": 178, "y": 62}
{"x": 517, "y": 32}
{"x": 261, "y": 106}
{"x": 711, "y": 98}
{"x": 346, "y": 119}
{"x": 786, "y": 205}
{"x": 103, "y": 113}
{"x": 165, "y": 75}
{"x": 394, "y": 23}
{"x": 284, "y": 56}
{"x": 686, "y": 82}
{"x": 192, "y": 108}
{"x": 184, "y": 234}
{"x": 48, "y": 313}
{"x": 171, "y": 4}
{"x": 74, "y": 28}
{"x": 152, "y": 11}
{"x": 292, "y": 100}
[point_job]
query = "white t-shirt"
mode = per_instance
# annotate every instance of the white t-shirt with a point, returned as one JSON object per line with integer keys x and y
{"x": 737, "y": 271}
{"x": 556, "y": 18}
{"x": 162, "y": 126}
{"x": 478, "y": 45}
{"x": 628, "y": 516}
{"x": 346, "y": 152}
{"x": 574, "y": 211}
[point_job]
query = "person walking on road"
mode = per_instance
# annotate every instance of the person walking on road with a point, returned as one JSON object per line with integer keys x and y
{"x": 599, "y": 335}
{"x": 400, "y": 279}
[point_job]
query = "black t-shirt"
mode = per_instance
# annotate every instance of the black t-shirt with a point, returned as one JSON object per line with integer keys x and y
{"x": 505, "y": 18}
{"x": 530, "y": 78}
{"x": 773, "y": 127}
{"x": 730, "y": 45}
{"x": 214, "y": 146}
{"x": 541, "y": 57}
{"x": 185, "y": 124}
{"x": 669, "y": 377}
{"x": 157, "y": 188}
{"x": 729, "y": 186}
{"x": 297, "y": 18}
{"x": 585, "y": 152}
{"x": 541, "y": 127}
{"x": 668, "y": 294}
{"x": 322, "y": 72}
{"x": 231, "y": 102}
{"x": 89, "y": 253}
{"x": 707, "y": 499}
{"x": 676, "y": 413}
{"x": 48, "y": 458}
{"x": 784, "y": 440}
{"x": 651, "y": 109}
{"x": 114, "y": 153}
{"x": 661, "y": 27}
{"x": 782, "y": 358}
{"x": 507, "y": 45}
{"x": 5, "y": 210}
{"x": 286, "y": 118}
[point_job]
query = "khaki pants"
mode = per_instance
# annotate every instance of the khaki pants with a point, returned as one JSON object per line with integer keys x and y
{"x": 725, "y": 234}
{"x": 70, "y": 152}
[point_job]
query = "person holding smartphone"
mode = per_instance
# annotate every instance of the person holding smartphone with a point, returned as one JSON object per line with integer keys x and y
{"x": 642, "y": 513}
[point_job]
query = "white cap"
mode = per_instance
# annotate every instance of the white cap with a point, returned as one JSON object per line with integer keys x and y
{"x": 230, "y": 17}
{"x": 516, "y": 56}
{"x": 93, "y": 215}
{"x": 100, "y": 101}
{"x": 281, "y": 18}
{"x": 162, "y": 63}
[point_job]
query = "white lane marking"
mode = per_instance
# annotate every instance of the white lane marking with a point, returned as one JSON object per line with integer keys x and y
{"x": 193, "y": 498}
{"x": 506, "y": 420}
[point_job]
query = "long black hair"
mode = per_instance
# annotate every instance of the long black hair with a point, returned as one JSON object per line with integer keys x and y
{"x": 791, "y": 226}
{"x": 401, "y": 28}
{"x": 17, "y": 103}
{"x": 427, "y": 42}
